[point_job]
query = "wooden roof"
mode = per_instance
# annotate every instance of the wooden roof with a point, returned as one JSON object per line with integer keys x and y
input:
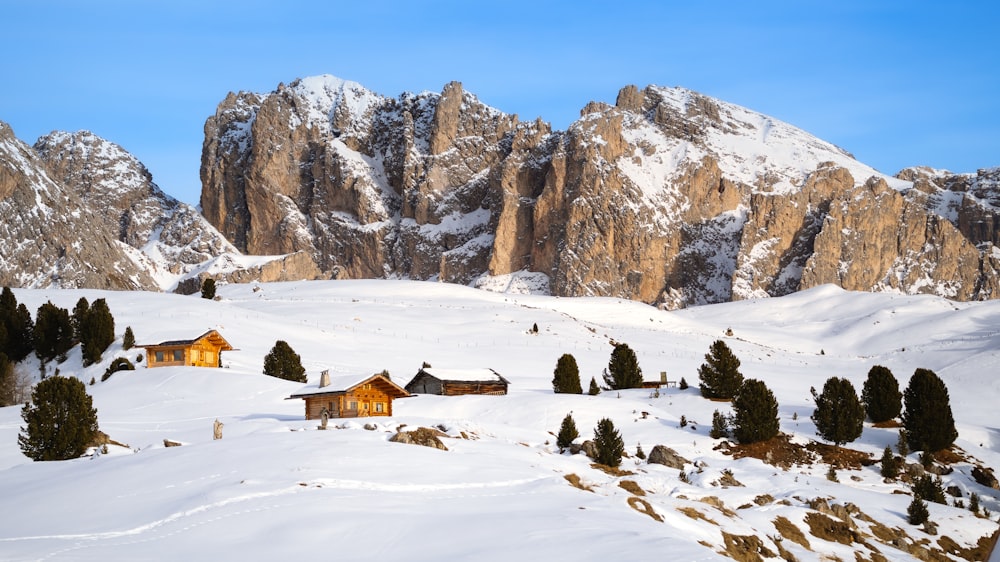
{"x": 213, "y": 337}
{"x": 343, "y": 384}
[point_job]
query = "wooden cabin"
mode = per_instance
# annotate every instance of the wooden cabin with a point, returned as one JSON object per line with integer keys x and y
{"x": 350, "y": 396}
{"x": 203, "y": 351}
{"x": 456, "y": 382}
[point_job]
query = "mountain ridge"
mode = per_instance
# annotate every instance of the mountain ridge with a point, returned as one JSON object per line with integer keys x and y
{"x": 668, "y": 197}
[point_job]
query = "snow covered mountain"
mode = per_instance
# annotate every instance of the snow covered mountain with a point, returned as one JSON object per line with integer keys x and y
{"x": 80, "y": 211}
{"x": 276, "y": 487}
{"x": 668, "y": 197}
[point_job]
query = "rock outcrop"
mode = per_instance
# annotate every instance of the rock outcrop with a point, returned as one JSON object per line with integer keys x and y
{"x": 667, "y": 197}
{"x": 80, "y": 211}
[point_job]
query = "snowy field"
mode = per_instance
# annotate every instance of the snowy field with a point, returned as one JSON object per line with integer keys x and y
{"x": 276, "y": 487}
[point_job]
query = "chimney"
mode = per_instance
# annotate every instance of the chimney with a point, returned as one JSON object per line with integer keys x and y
{"x": 663, "y": 377}
{"x": 324, "y": 378}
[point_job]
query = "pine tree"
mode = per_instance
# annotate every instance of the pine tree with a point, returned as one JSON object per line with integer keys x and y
{"x": 567, "y": 432}
{"x": 20, "y": 334}
{"x": 903, "y": 443}
{"x": 881, "y": 395}
{"x": 608, "y": 443}
{"x": 917, "y": 512}
{"x": 974, "y": 503}
{"x": 566, "y": 377}
{"x": 839, "y": 415}
{"x": 8, "y": 382}
{"x": 890, "y": 468}
{"x": 927, "y": 418}
{"x": 53, "y": 332}
{"x": 720, "y": 426}
{"x": 623, "y": 369}
{"x": 720, "y": 373}
{"x": 929, "y": 488}
{"x": 79, "y": 317}
{"x": 16, "y": 327}
{"x": 594, "y": 390}
{"x": 284, "y": 363}
{"x": 60, "y": 420}
{"x": 128, "y": 340}
{"x": 755, "y": 413}
{"x": 208, "y": 288}
{"x": 98, "y": 331}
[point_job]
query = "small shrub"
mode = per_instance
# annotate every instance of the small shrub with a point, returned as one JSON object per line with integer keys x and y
{"x": 831, "y": 474}
{"x": 128, "y": 340}
{"x": 138, "y": 358}
{"x": 567, "y": 432}
{"x": 208, "y": 288}
{"x": 720, "y": 426}
{"x": 903, "y": 443}
{"x": 974, "y": 503}
{"x": 119, "y": 364}
{"x": 890, "y": 468}
{"x": 683, "y": 385}
{"x": 929, "y": 488}
{"x": 917, "y": 513}
{"x": 639, "y": 453}
{"x": 684, "y": 421}
{"x": 594, "y": 389}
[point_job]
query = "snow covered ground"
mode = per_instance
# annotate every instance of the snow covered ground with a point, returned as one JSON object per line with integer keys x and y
{"x": 276, "y": 487}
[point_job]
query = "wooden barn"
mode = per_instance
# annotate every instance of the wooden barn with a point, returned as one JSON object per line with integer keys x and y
{"x": 350, "y": 396}
{"x": 455, "y": 382}
{"x": 203, "y": 351}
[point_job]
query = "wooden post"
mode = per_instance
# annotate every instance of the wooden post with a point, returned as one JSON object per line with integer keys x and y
{"x": 217, "y": 430}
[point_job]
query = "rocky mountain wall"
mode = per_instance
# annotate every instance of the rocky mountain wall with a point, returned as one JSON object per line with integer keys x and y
{"x": 667, "y": 197}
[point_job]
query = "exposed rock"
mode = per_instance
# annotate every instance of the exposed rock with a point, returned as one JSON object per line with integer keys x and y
{"x": 668, "y": 197}
{"x": 421, "y": 436}
{"x": 985, "y": 477}
{"x": 661, "y": 454}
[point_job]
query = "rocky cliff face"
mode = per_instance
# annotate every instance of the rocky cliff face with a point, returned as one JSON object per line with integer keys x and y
{"x": 79, "y": 211}
{"x": 667, "y": 197}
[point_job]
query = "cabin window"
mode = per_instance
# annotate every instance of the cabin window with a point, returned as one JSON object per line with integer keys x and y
{"x": 210, "y": 357}
{"x": 354, "y": 405}
{"x": 159, "y": 357}
{"x": 178, "y": 355}
{"x": 379, "y": 407}
{"x": 194, "y": 355}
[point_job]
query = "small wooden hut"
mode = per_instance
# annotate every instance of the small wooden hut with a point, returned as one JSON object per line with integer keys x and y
{"x": 456, "y": 382}
{"x": 350, "y": 396}
{"x": 203, "y": 351}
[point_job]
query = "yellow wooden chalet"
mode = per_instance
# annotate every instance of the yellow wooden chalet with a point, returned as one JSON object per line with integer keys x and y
{"x": 350, "y": 396}
{"x": 203, "y": 351}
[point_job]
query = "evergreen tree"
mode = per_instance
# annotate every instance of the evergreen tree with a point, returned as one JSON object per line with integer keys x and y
{"x": 608, "y": 443}
{"x": 974, "y": 503}
{"x": 566, "y": 377}
{"x": 128, "y": 340}
{"x": 755, "y": 412}
{"x": 623, "y": 369}
{"x": 60, "y": 420}
{"x": 16, "y": 327}
{"x": 928, "y": 420}
{"x": 20, "y": 334}
{"x": 8, "y": 382}
{"x": 79, "y": 317}
{"x": 683, "y": 384}
{"x": 119, "y": 364}
{"x": 903, "y": 443}
{"x": 929, "y": 488}
{"x": 284, "y": 363}
{"x": 567, "y": 432}
{"x": 881, "y": 395}
{"x": 720, "y": 373}
{"x": 839, "y": 415}
{"x": 208, "y": 288}
{"x": 594, "y": 390}
{"x": 917, "y": 512}
{"x": 53, "y": 332}
{"x": 890, "y": 468}
{"x": 98, "y": 331}
{"x": 720, "y": 426}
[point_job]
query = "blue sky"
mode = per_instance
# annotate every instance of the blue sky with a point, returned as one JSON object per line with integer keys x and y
{"x": 896, "y": 83}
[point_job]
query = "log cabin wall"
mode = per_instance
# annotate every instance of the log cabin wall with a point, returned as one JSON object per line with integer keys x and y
{"x": 458, "y": 388}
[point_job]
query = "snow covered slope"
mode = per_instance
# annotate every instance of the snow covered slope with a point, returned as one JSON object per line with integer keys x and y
{"x": 277, "y": 487}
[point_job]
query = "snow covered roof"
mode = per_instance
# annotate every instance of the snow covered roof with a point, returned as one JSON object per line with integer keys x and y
{"x": 465, "y": 375}
{"x": 212, "y": 335}
{"x": 344, "y": 383}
